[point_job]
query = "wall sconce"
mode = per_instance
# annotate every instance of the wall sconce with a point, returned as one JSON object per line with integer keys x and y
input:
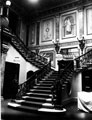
{"x": 81, "y": 43}
{"x": 8, "y": 4}
{"x": 57, "y": 46}
{"x": 4, "y": 18}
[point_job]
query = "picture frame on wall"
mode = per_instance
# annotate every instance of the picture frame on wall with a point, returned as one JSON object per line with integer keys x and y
{"x": 69, "y": 25}
{"x": 47, "y": 30}
{"x": 89, "y": 21}
{"x": 49, "y": 54}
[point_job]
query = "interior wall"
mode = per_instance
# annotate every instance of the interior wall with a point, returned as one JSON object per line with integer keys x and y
{"x": 76, "y": 84}
{"x": 30, "y": 67}
{"x": 14, "y": 57}
{"x": 54, "y": 25}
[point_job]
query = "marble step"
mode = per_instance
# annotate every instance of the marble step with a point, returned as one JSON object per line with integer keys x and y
{"x": 37, "y": 99}
{"x": 39, "y": 95}
{"x": 33, "y": 104}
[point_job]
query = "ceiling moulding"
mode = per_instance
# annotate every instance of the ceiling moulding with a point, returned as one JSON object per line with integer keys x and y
{"x": 61, "y": 8}
{"x": 57, "y": 9}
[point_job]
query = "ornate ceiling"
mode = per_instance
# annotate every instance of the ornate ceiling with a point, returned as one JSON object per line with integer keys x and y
{"x": 24, "y": 7}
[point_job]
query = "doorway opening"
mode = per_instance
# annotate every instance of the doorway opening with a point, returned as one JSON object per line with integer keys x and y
{"x": 11, "y": 80}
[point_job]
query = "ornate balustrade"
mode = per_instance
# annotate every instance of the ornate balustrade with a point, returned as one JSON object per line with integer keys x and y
{"x": 38, "y": 75}
{"x": 62, "y": 84}
{"x": 22, "y": 48}
{"x": 85, "y": 60}
{"x": 67, "y": 72}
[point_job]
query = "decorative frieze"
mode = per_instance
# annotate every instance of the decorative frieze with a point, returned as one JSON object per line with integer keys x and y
{"x": 58, "y": 9}
{"x": 47, "y": 30}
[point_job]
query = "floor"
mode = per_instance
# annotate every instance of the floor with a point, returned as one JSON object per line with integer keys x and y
{"x": 71, "y": 114}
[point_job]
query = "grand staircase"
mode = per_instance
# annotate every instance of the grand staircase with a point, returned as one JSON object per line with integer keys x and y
{"x": 30, "y": 56}
{"x": 39, "y": 97}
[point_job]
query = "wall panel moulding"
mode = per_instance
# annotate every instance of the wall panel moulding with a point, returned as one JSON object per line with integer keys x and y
{"x": 46, "y": 46}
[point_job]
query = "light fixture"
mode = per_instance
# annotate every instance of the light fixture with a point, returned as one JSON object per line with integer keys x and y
{"x": 57, "y": 46}
{"x": 81, "y": 43}
{"x": 8, "y": 3}
{"x": 33, "y": 1}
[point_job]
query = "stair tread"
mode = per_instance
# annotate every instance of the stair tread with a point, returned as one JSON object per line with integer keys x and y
{"x": 34, "y": 102}
{"x": 41, "y": 87}
{"x": 42, "y": 98}
{"x": 23, "y": 107}
{"x": 39, "y": 94}
{"x": 39, "y": 90}
{"x": 47, "y": 81}
{"x": 51, "y": 110}
{"x": 42, "y": 109}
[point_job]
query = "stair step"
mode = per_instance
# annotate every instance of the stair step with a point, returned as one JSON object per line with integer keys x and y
{"x": 33, "y": 104}
{"x": 52, "y": 110}
{"x": 42, "y": 87}
{"x": 45, "y": 85}
{"x": 64, "y": 85}
{"x": 38, "y": 99}
{"x": 39, "y": 94}
{"x": 49, "y": 79}
{"x": 35, "y": 109}
{"x": 65, "y": 82}
{"x": 46, "y": 82}
{"x": 36, "y": 90}
{"x": 22, "y": 107}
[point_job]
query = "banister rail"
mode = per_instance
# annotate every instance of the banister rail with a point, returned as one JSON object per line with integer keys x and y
{"x": 24, "y": 87}
{"x": 23, "y": 49}
{"x": 84, "y": 60}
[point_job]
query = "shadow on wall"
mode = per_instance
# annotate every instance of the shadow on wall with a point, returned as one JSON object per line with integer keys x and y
{"x": 29, "y": 74}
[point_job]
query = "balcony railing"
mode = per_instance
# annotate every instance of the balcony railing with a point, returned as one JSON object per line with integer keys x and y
{"x": 84, "y": 61}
